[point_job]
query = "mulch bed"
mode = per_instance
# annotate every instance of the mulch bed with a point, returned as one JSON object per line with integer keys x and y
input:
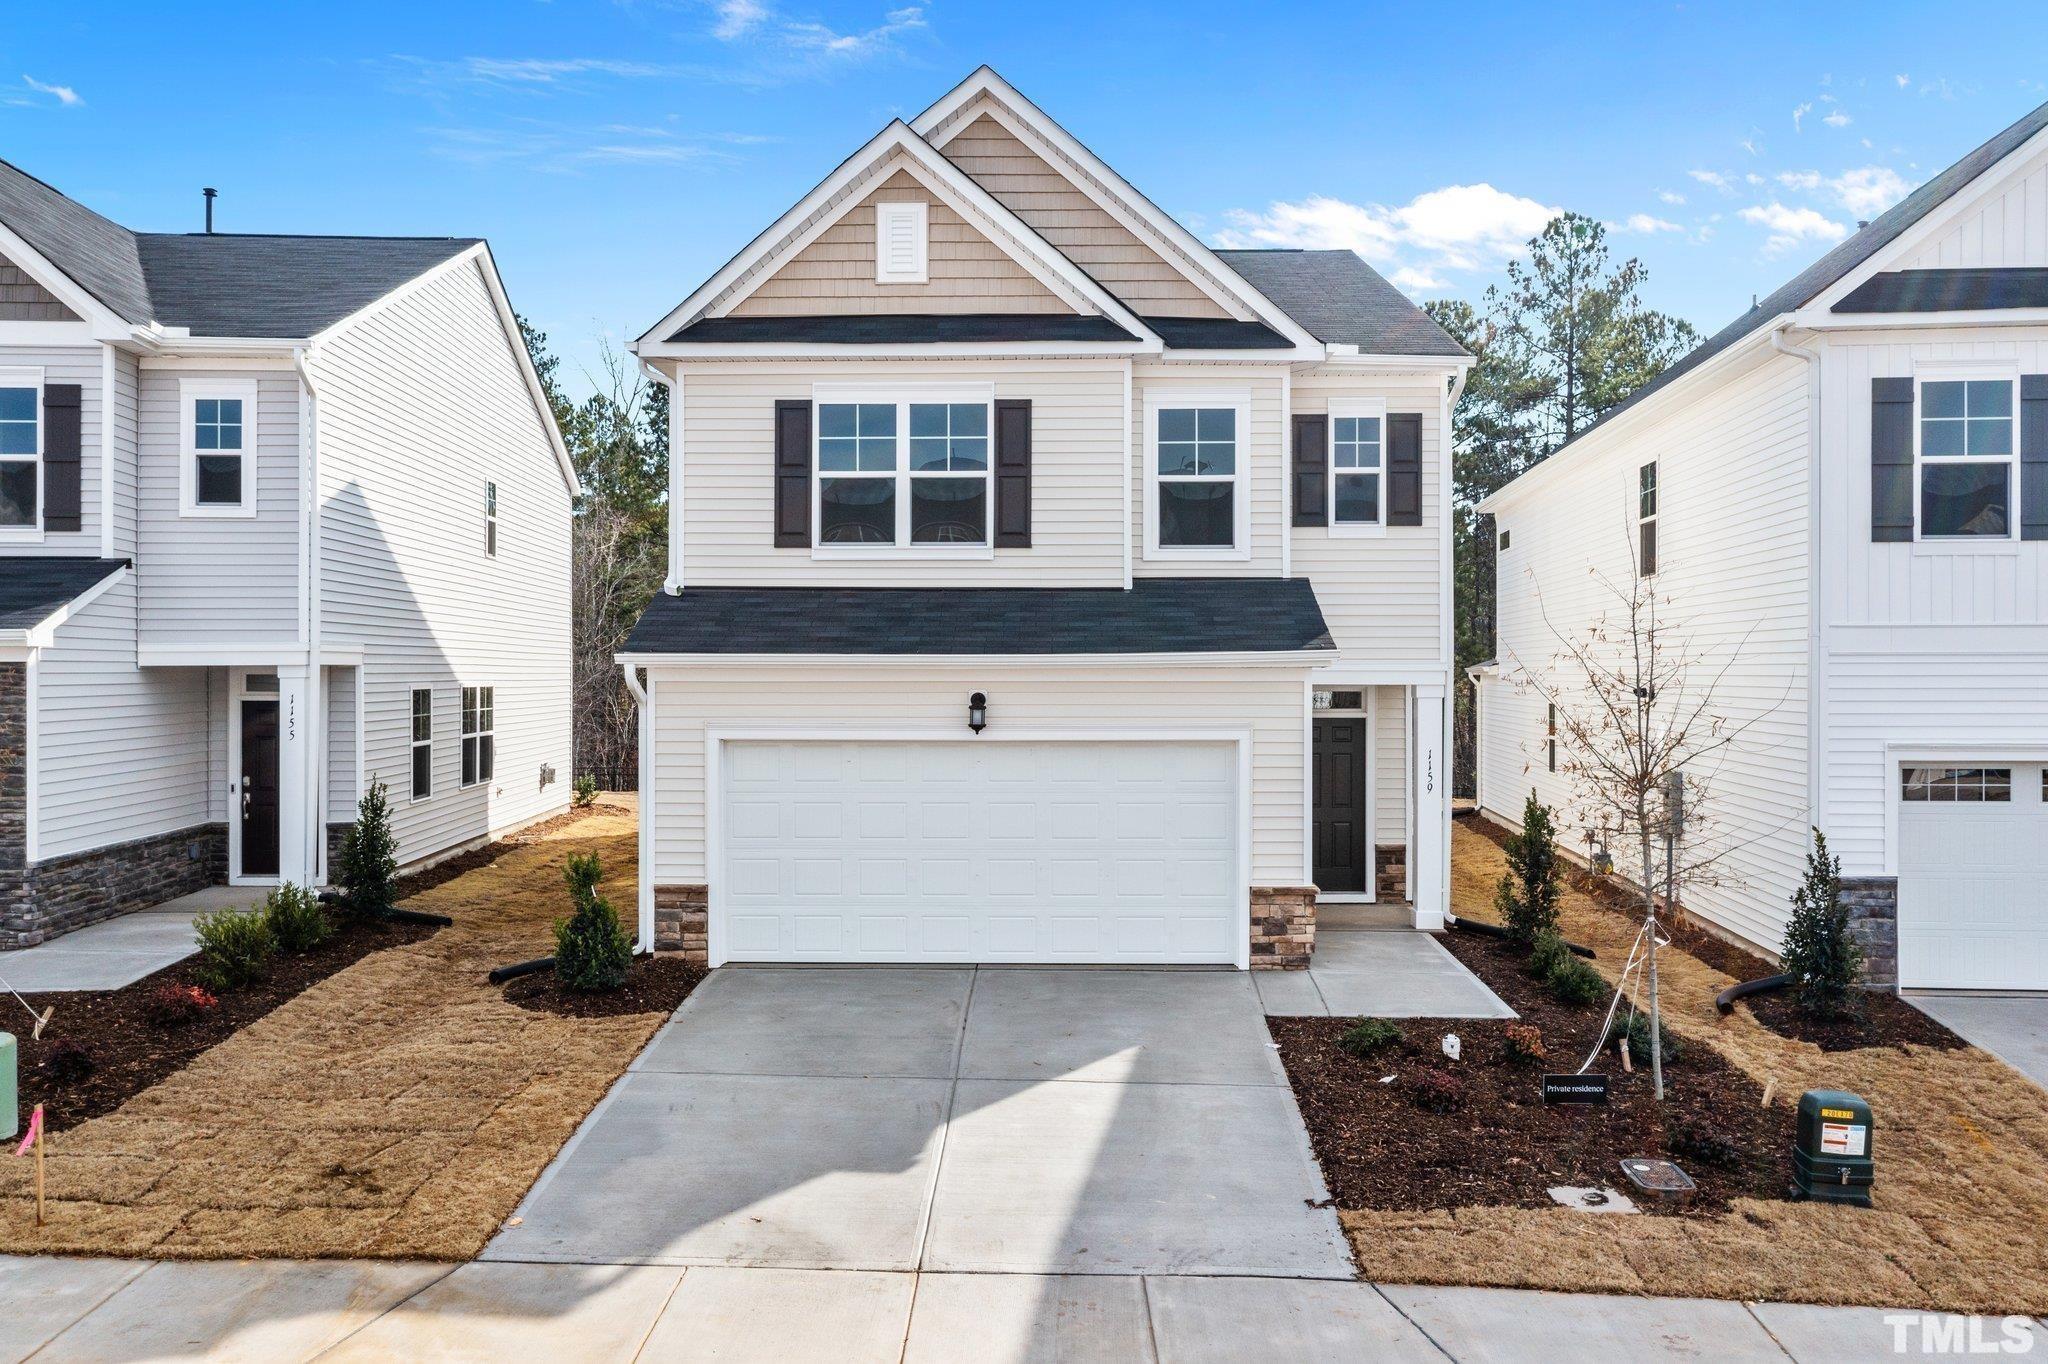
{"x": 653, "y": 985}
{"x": 111, "y": 1031}
{"x": 1501, "y": 1146}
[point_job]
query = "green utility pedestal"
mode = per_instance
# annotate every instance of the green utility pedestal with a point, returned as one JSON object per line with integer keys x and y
{"x": 1831, "y": 1160}
{"x": 10, "y": 1107}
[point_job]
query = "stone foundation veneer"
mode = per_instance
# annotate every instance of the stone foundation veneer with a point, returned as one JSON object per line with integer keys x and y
{"x": 1283, "y": 927}
{"x": 682, "y": 918}
{"x": 65, "y": 893}
{"x": 1390, "y": 872}
{"x": 1873, "y": 903}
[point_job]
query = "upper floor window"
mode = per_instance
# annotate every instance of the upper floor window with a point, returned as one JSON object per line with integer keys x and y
{"x": 1646, "y": 519}
{"x": 1198, "y": 506}
{"x": 218, "y": 474}
{"x": 21, "y": 448}
{"x": 422, "y": 718}
{"x": 479, "y": 735}
{"x": 903, "y": 473}
{"x": 491, "y": 520}
{"x": 1965, "y": 457}
{"x": 1357, "y": 461}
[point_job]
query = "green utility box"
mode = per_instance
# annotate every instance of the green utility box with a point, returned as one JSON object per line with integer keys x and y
{"x": 10, "y": 1106}
{"x": 1831, "y": 1160}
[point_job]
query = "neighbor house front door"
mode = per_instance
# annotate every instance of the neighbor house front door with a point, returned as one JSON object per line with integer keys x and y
{"x": 259, "y": 787}
{"x": 1343, "y": 861}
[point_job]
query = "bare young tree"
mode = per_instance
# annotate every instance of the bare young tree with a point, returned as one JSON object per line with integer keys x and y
{"x": 1643, "y": 729}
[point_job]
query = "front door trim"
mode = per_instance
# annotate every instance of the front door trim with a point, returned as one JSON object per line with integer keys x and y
{"x": 1368, "y": 889}
{"x": 238, "y": 692}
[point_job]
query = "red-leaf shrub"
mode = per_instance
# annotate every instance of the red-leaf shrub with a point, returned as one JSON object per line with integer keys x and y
{"x": 179, "y": 1006}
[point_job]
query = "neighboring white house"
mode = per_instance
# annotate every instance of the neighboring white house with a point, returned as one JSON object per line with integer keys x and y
{"x": 1044, "y": 585}
{"x": 279, "y": 516}
{"x": 1854, "y": 475}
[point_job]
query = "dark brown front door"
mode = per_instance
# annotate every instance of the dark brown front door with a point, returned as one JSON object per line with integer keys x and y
{"x": 259, "y": 788}
{"x": 1343, "y": 854}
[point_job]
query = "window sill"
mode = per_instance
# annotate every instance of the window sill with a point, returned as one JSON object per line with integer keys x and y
{"x": 900, "y": 553}
{"x": 199, "y": 513}
{"x": 1172, "y": 552}
{"x": 1357, "y": 531}
{"x": 21, "y": 535}
{"x": 1986, "y": 545}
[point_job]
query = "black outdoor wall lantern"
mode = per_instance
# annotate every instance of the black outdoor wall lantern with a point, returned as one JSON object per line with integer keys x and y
{"x": 977, "y": 712}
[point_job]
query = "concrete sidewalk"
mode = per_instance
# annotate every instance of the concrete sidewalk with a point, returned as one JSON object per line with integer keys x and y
{"x": 122, "y": 950}
{"x": 77, "y": 1310}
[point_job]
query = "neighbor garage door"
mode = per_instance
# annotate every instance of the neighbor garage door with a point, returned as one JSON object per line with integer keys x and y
{"x": 1973, "y": 878}
{"x": 985, "y": 851}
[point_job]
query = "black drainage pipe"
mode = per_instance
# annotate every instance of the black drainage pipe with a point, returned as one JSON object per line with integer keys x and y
{"x": 524, "y": 968}
{"x": 394, "y": 916}
{"x": 1725, "y": 1001}
{"x": 1486, "y": 930}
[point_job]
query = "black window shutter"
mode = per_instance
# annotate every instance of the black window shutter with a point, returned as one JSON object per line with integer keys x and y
{"x": 2034, "y": 457}
{"x": 1311, "y": 469}
{"x": 1891, "y": 459}
{"x": 1404, "y": 469}
{"x": 1013, "y": 473}
{"x": 793, "y": 473}
{"x": 63, "y": 451}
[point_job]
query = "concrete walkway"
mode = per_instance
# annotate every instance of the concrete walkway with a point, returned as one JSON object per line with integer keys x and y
{"x": 2014, "y": 1028}
{"x": 59, "y": 1311}
{"x": 1379, "y": 973}
{"x": 120, "y": 951}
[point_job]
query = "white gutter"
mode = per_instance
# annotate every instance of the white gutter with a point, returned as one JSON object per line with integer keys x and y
{"x": 644, "y": 910}
{"x": 1816, "y": 636}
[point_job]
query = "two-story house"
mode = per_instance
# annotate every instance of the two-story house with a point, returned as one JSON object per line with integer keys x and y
{"x": 279, "y": 517}
{"x": 1045, "y": 586}
{"x": 1843, "y": 499}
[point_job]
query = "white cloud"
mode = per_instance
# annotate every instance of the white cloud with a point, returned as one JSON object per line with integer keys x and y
{"x": 1715, "y": 179}
{"x": 552, "y": 70}
{"x": 822, "y": 38}
{"x": 1791, "y": 226}
{"x": 1749, "y": 144}
{"x": 1800, "y": 111}
{"x": 1668, "y": 196}
{"x": 63, "y": 94}
{"x": 1837, "y": 119}
{"x": 1645, "y": 223}
{"x": 1864, "y": 191}
{"x": 1456, "y": 228}
{"x": 1806, "y": 180}
{"x": 737, "y": 18}
{"x": 1903, "y": 80}
{"x": 1752, "y": 178}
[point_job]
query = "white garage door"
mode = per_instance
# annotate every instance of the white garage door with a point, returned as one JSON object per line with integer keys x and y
{"x": 1973, "y": 878}
{"x": 986, "y": 851}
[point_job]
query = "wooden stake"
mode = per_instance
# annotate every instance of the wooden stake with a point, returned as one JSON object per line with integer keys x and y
{"x": 39, "y": 1164}
{"x": 1627, "y": 1062}
{"x": 1770, "y": 1088}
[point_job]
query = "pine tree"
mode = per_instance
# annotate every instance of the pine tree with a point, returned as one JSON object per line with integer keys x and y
{"x": 592, "y": 951}
{"x": 367, "y": 869}
{"x": 1818, "y": 947}
{"x": 1528, "y": 894}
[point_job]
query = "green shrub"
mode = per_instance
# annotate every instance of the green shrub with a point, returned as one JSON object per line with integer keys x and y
{"x": 592, "y": 951}
{"x": 1436, "y": 1091}
{"x": 235, "y": 947}
{"x": 1818, "y": 948}
{"x": 1574, "y": 982}
{"x": 586, "y": 791}
{"x": 297, "y": 920}
{"x": 1704, "y": 1145}
{"x": 1636, "y": 1028}
{"x": 367, "y": 869}
{"x": 1528, "y": 894}
{"x": 1549, "y": 956}
{"x": 1523, "y": 1043}
{"x": 1367, "y": 1036}
{"x": 67, "y": 1062}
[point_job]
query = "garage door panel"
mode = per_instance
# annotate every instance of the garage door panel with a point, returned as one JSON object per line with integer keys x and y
{"x": 992, "y": 851}
{"x": 1973, "y": 890}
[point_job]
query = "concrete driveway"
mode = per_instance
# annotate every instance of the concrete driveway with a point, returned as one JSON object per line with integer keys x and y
{"x": 2014, "y": 1028}
{"x": 1034, "y": 1121}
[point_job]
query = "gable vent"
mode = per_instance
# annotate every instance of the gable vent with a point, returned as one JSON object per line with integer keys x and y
{"x": 900, "y": 244}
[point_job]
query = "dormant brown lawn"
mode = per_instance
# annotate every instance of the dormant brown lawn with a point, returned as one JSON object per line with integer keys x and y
{"x": 399, "y": 1108}
{"x": 1961, "y": 1198}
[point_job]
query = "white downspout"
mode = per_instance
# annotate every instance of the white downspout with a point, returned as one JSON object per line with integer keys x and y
{"x": 1816, "y": 635}
{"x": 672, "y": 582}
{"x": 645, "y": 907}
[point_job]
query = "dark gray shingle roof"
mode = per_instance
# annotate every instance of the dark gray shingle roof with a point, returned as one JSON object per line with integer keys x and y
{"x": 34, "y": 585}
{"x": 1336, "y": 297}
{"x": 905, "y": 328}
{"x": 1156, "y": 615}
{"x": 1213, "y": 333}
{"x": 1936, "y": 291}
{"x": 97, "y": 253}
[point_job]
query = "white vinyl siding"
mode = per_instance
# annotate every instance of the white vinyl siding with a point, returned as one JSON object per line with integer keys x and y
{"x": 220, "y": 580}
{"x": 66, "y": 365}
{"x": 1390, "y": 766}
{"x": 421, "y": 403}
{"x": 929, "y": 698}
{"x": 341, "y": 745}
{"x": 725, "y": 467}
{"x": 1260, "y": 458}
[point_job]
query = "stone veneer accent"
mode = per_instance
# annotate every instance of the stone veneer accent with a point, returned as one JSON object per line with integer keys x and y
{"x": 682, "y": 918}
{"x": 1283, "y": 927}
{"x": 16, "y": 915}
{"x": 1873, "y": 903}
{"x": 1390, "y": 872}
{"x": 65, "y": 893}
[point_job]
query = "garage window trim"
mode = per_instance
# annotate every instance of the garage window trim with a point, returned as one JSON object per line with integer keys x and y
{"x": 1956, "y": 785}
{"x": 1965, "y": 443}
{"x": 1198, "y": 453}
{"x": 903, "y": 474}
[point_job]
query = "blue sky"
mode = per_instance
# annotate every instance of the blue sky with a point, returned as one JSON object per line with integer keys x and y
{"x": 616, "y": 153}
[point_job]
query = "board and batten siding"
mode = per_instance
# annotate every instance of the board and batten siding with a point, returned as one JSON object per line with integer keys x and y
{"x": 217, "y": 580}
{"x": 1121, "y": 703}
{"x": 1732, "y": 584}
{"x": 2008, "y": 226}
{"x": 727, "y": 464}
{"x": 121, "y": 751}
{"x": 1381, "y": 593}
{"x": 68, "y": 365}
{"x": 1265, "y": 462}
{"x": 421, "y": 403}
{"x": 1390, "y": 766}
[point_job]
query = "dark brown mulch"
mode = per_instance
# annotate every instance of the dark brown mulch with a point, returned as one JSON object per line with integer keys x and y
{"x": 1501, "y": 1146}
{"x": 653, "y": 985}
{"x": 443, "y": 872}
{"x": 128, "y": 1051}
{"x": 1884, "y": 1021}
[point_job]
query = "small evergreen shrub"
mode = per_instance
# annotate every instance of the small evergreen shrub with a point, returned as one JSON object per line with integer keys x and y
{"x": 1436, "y": 1091}
{"x": 1522, "y": 1043}
{"x": 1818, "y": 947}
{"x": 367, "y": 869}
{"x": 586, "y": 791}
{"x": 68, "y": 1062}
{"x": 235, "y": 947}
{"x": 1636, "y": 1028}
{"x": 1576, "y": 983}
{"x": 1550, "y": 955}
{"x": 297, "y": 920}
{"x": 1528, "y": 894}
{"x": 1367, "y": 1036}
{"x": 173, "y": 1006}
{"x": 592, "y": 951}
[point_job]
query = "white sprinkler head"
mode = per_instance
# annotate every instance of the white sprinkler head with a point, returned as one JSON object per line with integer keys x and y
{"x": 1452, "y": 1046}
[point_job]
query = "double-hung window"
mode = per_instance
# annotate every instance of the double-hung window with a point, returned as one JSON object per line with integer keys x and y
{"x": 1966, "y": 445}
{"x": 1646, "y": 519}
{"x": 422, "y": 719}
{"x": 1198, "y": 504}
{"x": 908, "y": 472}
{"x": 217, "y": 474}
{"x": 490, "y": 520}
{"x": 1357, "y": 466}
{"x": 21, "y": 448}
{"x": 479, "y": 735}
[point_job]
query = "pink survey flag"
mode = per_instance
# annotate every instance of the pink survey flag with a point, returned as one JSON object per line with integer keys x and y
{"x": 35, "y": 1129}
